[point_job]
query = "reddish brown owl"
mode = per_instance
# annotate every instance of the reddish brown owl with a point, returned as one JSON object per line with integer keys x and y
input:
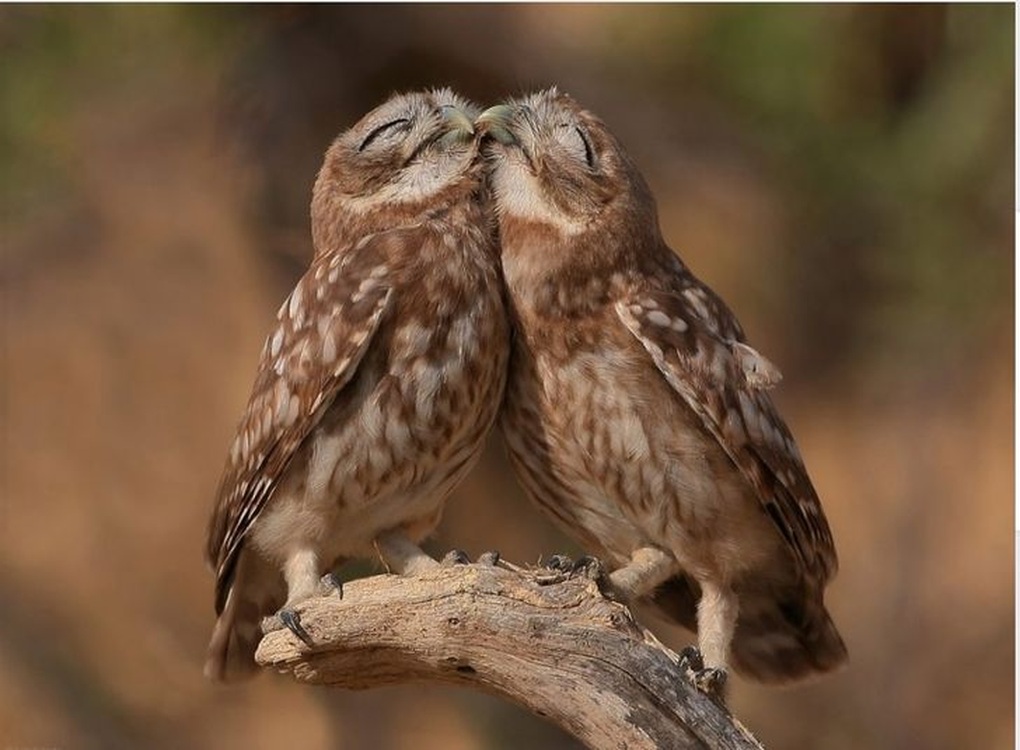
{"x": 636, "y": 413}
{"x": 381, "y": 379}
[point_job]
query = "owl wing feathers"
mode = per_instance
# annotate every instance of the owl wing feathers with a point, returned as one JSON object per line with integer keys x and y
{"x": 325, "y": 328}
{"x": 711, "y": 374}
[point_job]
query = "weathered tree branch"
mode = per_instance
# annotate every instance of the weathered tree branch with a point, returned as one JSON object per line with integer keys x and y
{"x": 550, "y": 642}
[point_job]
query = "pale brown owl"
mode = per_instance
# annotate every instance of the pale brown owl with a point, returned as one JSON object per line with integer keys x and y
{"x": 380, "y": 381}
{"x": 636, "y": 413}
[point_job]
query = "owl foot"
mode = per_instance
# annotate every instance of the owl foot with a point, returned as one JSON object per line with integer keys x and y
{"x": 290, "y": 619}
{"x": 455, "y": 557}
{"x": 560, "y": 568}
{"x": 556, "y": 570}
{"x": 331, "y": 585}
{"x": 489, "y": 558}
{"x": 712, "y": 682}
{"x": 709, "y": 680}
{"x": 561, "y": 563}
{"x": 690, "y": 659}
{"x": 588, "y": 567}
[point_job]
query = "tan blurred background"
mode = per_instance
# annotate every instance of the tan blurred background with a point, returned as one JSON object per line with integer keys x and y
{"x": 842, "y": 175}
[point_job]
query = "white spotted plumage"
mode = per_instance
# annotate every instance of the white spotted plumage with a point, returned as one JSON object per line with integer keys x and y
{"x": 381, "y": 380}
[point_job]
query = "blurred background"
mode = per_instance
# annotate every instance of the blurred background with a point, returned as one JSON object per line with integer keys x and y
{"x": 842, "y": 175}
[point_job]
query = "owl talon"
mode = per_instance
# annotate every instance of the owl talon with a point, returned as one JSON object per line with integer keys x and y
{"x": 331, "y": 585}
{"x": 588, "y": 567}
{"x": 560, "y": 563}
{"x": 489, "y": 558}
{"x": 690, "y": 660}
{"x": 712, "y": 682}
{"x": 455, "y": 557}
{"x": 709, "y": 680}
{"x": 290, "y": 619}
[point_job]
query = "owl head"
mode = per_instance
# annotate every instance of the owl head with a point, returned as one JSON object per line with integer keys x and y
{"x": 409, "y": 157}
{"x": 556, "y": 168}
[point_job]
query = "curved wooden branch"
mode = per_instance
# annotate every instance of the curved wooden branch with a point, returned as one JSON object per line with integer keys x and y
{"x": 549, "y": 642}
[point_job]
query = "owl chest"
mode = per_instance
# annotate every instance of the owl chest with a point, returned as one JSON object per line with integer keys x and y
{"x": 598, "y": 428}
{"x": 637, "y": 467}
{"x": 428, "y": 398}
{"x": 399, "y": 439}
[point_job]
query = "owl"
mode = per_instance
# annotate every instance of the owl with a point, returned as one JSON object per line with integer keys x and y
{"x": 637, "y": 415}
{"x": 381, "y": 379}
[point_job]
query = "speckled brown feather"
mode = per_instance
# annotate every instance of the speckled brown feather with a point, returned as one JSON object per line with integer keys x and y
{"x": 702, "y": 368}
{"x": 324, "y": 329}
{"x": 637, "y": 414}
{"x": 379, "y": 383}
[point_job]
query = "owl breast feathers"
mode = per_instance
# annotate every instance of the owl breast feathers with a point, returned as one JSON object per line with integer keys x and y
{"x": 380, "y": 381}
{"x": 637, "y": 415}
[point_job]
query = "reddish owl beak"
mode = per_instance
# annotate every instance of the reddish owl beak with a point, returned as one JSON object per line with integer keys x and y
{"x": 459, "y": 125}
{"x": 495, "y": 121}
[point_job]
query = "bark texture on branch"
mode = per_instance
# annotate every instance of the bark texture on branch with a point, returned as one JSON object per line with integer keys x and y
{"x": 549, "y": 642}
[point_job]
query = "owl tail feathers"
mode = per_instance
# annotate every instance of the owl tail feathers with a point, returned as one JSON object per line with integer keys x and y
{"x": 779, "y": 639}
{"x": 231, "y": 653}
{"x": 253, "y": 593}
{"x": 773, "y": 647}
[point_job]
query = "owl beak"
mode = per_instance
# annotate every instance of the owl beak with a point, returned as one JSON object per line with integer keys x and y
{"x": 459, "y": 125}
{"x": 496, "y": 121}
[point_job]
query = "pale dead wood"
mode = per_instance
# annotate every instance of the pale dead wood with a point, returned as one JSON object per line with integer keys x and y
{"x": 551, "y": 643}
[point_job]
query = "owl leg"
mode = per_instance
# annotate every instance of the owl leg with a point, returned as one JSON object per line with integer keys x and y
{"x": 400, "y": 555}
{"x": 301, "y": 572}
{"x": 648, "y": 567}
{"x": 717, "y": 619}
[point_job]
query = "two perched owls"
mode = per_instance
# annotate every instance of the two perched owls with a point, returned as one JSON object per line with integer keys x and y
{"x": 508, "y": 265}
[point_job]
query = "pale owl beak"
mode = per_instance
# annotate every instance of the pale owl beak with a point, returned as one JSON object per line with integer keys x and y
{"x": 459, "y": 125}
{"x": 495, "y": 121}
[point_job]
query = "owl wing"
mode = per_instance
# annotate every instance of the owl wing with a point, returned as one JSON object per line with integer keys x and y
{"x": 710, "y": 374}
{"x": 325, "y": 327}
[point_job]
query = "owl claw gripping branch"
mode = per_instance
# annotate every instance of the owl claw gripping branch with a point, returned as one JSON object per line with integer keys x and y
{"x": 380, "y": 381}
{"x": 637, "y": 415}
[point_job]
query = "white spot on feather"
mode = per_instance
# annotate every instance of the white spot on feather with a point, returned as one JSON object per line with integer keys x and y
{"x": 294, "y": 306}
{"x": 276, "y": 342}
{"x": 696, "y": 299}
{"x": 328, "y": 348}
{"x": 659, "y": 318}
{"x": 366, "y": 286}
